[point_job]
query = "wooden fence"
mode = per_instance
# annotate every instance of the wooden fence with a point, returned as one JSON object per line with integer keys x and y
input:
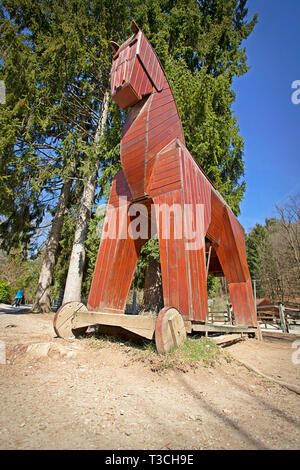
{"x": 276, "y": 315}
{"x": 279, "y": 316}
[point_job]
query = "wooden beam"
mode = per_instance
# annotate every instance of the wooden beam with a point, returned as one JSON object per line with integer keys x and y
{"x": 227, "y": 340}
{"x": 138, "y": 324}
{"x": 208, "y": 259}
{"x": 283, "y": 322}
{"x": 280, "y": 335}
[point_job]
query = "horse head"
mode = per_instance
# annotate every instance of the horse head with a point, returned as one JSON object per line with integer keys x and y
{"x": 136, "y": 71}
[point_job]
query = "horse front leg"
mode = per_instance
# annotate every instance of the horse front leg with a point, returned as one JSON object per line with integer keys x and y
{"x": 118, "y": 254}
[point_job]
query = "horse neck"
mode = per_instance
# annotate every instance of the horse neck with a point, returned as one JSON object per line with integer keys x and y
{"x": 163, "y": 119}
{"x": 159, "y": 110}
{"x": 150, "y": 126}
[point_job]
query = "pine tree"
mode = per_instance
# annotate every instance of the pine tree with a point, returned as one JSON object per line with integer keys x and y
{"x": 68, "y": 43}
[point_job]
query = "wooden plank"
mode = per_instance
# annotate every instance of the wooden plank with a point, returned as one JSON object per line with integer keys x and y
{"x": 175, "y": 286}
{"x": 268, "y": 308}
{"x": 135, "y": 125}
{"x": 163, "y": 114}
{"x": 296, "y": 310}
{"x": 126, "y": 97}
{"x": 137, "y": 74}
{"x": 134, "y": 140}
{"x": 195, "y": 257}
{"x": 166, "y": 98}
{"x": 215, "y": 228}
{"x": 188, "y": 326}
{"x": 219, "y": 328}
{"x": 114, "y": 269}
{"x": 183, "y": 286}
{"x": 172, "y": 259}
{"x": 283, "y": 322}
{"x": 141, "y": 325}
{"x": 168, "y": 166}
{"x": 226, "y": 340}
{"x": 164, "y": 190}
{"x": 158, "y": 200}
{"x": 195, "y": 311}
{"x": 208, "y": 260}
{"x": 155, "y": 133}
{"x": 281, "y": 335}
{"x": 163, "y": 179}
{"x": 148, "y": 57}
{"x": 160, "y": 107}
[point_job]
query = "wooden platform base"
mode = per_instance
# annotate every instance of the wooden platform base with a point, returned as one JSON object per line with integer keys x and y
{"x": 168, "y": 330}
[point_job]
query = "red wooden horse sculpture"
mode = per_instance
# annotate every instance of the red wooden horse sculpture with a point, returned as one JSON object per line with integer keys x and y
{"x": 158, "y": 171}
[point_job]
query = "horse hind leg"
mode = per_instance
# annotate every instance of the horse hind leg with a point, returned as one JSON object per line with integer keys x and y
{"x": 182, "y": 263}
{"x": 173, "y": 185}
{"x": 231, "y": 252}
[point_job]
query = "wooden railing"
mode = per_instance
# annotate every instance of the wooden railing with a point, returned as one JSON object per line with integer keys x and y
{"x": 278, "y": 315}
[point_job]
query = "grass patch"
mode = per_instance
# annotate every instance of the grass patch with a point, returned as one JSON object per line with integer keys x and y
{"x": 193, "y": 353}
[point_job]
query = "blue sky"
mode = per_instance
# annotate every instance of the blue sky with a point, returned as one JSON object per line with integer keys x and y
{"x": 269, "y": 121}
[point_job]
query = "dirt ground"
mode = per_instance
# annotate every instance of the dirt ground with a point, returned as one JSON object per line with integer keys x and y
{"x": 70, "y": 395}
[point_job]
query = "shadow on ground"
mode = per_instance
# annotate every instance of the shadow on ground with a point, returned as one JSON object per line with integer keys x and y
{"x": 7, "y": 309}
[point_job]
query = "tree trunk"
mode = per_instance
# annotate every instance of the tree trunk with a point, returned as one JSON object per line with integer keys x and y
{"x": 153, "y": 294}
{"x": 77, "y": 259}
{"x": 42, "y": 298}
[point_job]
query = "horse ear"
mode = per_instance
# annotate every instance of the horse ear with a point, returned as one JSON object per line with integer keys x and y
{"x": 134, "y": 27}
{"x": 115, "y": 47}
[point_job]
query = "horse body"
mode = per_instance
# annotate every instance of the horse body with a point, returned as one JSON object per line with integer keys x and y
{"x": 157, "y": 168}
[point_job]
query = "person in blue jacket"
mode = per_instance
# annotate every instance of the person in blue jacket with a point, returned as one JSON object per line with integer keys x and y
{"x": 19, "y": 297}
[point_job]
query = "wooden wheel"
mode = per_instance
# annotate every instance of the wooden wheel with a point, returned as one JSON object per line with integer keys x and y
{"x": 64, "y": 322}
{"x": 169, "y": 330}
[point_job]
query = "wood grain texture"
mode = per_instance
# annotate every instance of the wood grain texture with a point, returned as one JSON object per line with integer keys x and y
{"x": 170, "y": 330}
{"x": 65, "y": 320}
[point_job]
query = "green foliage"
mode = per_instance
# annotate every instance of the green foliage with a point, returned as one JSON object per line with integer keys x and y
{"x": 5, "y": 292}
{"x": 19, "y": 273}
{"x": 149, "y": 250}
{"x": 56, "y": 71}
{"x": 28, "y": 282}
{"x": 213, "y": 286}
{"x": 257, "y": 242}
